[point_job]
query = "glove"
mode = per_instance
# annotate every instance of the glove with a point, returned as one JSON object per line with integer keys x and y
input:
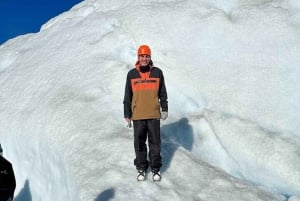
{"x": 164, "y": 115}
{"x": 129, "y": 125}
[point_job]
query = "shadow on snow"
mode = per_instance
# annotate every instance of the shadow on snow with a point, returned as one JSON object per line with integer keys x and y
{"x": 25, "y": 194}
{"x": 106, "y": 195}
{"x": 175, "y": 135}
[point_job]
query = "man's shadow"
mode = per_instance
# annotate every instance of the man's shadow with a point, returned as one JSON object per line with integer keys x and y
{"x": 25, "y": 194}
{"x": 175, "y": 135}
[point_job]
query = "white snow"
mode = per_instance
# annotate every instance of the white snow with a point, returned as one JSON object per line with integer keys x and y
{"x": 232, "y": 75}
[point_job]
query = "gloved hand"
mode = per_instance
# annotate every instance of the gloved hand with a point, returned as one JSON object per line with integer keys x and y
{"x": 164, "y": 115}
{"x": 129, "y": 125}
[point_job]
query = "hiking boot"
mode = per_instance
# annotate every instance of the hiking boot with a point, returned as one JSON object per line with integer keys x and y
{"x": 141, "y": 175}
{"x": 156, "y": 176}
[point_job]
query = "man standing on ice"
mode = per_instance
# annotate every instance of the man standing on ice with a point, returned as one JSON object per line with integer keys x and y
{"x": 145, "y": 103}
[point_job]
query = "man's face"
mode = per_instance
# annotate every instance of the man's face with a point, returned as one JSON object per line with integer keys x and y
{"x": 144, "y": 59}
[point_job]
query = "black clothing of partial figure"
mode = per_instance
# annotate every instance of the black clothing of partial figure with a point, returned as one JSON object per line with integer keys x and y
{"x": 7, "y": 180}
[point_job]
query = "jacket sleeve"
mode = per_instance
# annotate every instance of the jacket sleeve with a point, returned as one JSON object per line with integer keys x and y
{"x": 163, "y": 94}
{"x": 127, "y": 98}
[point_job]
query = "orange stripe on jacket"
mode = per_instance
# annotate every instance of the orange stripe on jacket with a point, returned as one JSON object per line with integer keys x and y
{"x": 145, "y": 84}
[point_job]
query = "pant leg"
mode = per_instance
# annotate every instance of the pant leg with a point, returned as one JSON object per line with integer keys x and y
{"x": 140, "y": 147}
{"x": 154, "y": 142}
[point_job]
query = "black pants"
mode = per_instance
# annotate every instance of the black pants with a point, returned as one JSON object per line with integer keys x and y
{"x": 142, "y": 129}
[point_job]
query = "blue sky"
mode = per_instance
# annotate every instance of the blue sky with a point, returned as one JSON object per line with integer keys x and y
{"x": 27, "y": 16}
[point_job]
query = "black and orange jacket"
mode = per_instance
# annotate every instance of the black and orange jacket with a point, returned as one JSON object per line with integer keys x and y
{"x": 145, "y": 94}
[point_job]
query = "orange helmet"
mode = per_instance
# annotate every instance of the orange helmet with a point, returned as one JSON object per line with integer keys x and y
{"x": 144, "y": 49}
